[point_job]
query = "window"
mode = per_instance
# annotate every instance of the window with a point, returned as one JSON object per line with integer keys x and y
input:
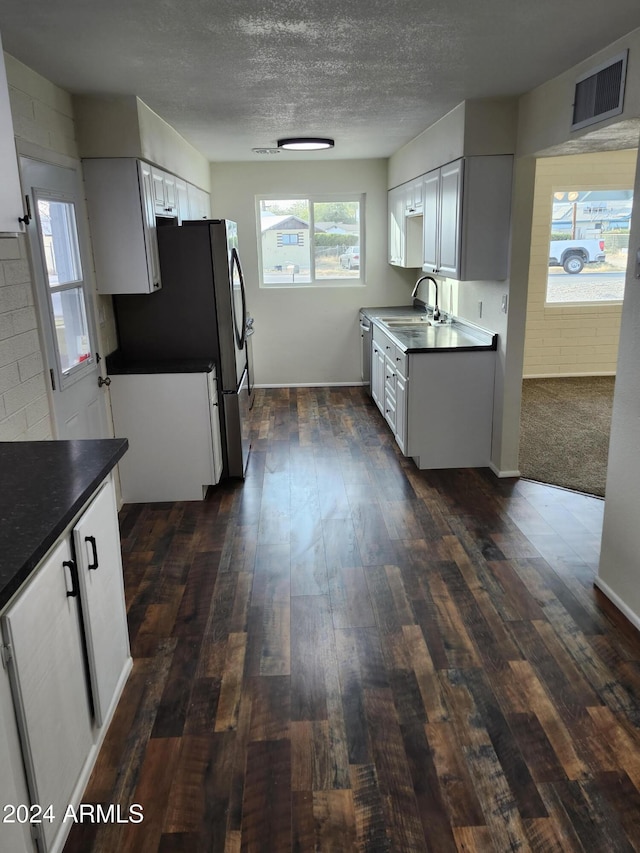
{"x": 311, "y": 241}
{"x": 59, "y": 241}
{"x": 588, "y": 245}
{"x": 290, "y": 240}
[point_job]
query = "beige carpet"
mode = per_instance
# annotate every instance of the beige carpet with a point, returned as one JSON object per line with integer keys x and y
{"x": 564, "y": 431}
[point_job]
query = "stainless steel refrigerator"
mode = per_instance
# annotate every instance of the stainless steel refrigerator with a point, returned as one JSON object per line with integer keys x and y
{"x": 199, "y": 313}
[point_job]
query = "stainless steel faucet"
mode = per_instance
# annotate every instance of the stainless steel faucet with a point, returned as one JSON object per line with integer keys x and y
{"x": 436, "y": 310}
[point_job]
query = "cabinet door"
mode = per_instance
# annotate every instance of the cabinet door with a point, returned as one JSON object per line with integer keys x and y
{"x": 158, "y": 193}
{"x": 182, "y": 200}
{"x": 148, "y": 204}
{"x": 413, "y": 198}
{"x": 199, "y": 203}
{"x": 451, "y": 177}
{"x": 431, "y": 206}
{"x": 14, "y": 836}
{"x": 396, "y": 225}
{"x": 97, "y": 547}
{"x": 170, "y": 195}
{"x": 377, "y": 376}
{"x": 401, "y": 413}
{"x": 216, "y": 439}
{"x": 11, "y": 205}
{"x": 49, "y": 685}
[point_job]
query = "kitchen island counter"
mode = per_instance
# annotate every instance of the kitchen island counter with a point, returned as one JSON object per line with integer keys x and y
{"x": 43, "y": 486}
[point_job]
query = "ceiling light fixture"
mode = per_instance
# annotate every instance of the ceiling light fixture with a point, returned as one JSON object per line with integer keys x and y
{"x": 305, "y": 143}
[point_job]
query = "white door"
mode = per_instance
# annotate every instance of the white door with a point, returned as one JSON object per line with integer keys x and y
{"x": 58, "y": 243}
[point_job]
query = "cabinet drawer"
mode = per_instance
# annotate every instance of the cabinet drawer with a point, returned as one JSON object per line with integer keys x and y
{"x": 385, "y": 343}
{"x": 390, "y": 376}
{"x": 402, "y": 363}
{"x": 390, "y": 411}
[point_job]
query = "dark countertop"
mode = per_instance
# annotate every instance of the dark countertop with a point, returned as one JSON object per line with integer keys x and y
{"x": 43, "y": 486}
{"x": 118, "y": 364}
{"x": 457, "y": 336}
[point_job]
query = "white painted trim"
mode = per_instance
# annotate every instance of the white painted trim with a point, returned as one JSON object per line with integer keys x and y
{"x": 310, "y": 385}
{"x": 501, "y": 474}
{"x": 37, "y": 152}
{"x": 615, "y": 599}
{"x": 568, "y": 375}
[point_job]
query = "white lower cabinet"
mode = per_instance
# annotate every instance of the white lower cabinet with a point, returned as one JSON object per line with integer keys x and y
{"x": 71, "y": 610}
{"x": 99, "y": 562}
{"x": 15, "y": 835}
{"x": 438, "y": 405}
{"x": 173, "y": 425}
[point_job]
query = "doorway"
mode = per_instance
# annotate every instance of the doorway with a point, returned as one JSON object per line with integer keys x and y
{"x": 57, "y": 238}
{"x": 581, "y": 205}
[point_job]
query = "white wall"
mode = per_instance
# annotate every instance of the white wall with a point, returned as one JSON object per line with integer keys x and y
{"x": 565, "y": 339}
{"x": 619, "y": 572}
{"x": 310, "y": 335}
{"x": 475, "y": 127}
{"x": 545, "y": 114}
{"x": 124, "y": 126}
{"x": 43, "y": 117}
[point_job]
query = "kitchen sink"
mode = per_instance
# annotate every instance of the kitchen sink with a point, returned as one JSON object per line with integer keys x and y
{"x": 414, "y": 320}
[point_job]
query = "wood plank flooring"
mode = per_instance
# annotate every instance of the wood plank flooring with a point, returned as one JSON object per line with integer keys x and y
{"x": 347, "y": 654}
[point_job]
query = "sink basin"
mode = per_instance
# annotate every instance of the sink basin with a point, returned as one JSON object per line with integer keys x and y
{"x": 416, "y": 320}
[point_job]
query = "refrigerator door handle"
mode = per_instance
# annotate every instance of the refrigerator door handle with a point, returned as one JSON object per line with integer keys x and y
{"x": 240, "y": 335}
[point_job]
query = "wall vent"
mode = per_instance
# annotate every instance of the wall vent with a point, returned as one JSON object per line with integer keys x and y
{"x": 599, "y": 94}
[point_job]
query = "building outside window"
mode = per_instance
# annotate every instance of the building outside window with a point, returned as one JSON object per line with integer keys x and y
{"x": 312, "y": 241}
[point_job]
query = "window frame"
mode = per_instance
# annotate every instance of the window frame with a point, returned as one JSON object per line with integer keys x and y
{"x": 313, "y": 198}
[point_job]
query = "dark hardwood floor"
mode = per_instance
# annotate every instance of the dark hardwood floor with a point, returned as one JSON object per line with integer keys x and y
{"x": 346, "y": 653}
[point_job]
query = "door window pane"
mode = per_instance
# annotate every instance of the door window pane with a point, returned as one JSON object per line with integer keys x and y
{"x": 72, "y": 332}
{"x": 59, "y": 240}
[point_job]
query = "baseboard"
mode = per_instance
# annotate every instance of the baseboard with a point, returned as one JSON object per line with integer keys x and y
{"x": 501, "y": 474}
{"x": 615, "y": 599}
{"x": 568, "y": 375}
{"x": 310, "y": 385}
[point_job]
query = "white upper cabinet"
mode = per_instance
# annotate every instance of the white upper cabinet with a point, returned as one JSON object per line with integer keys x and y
{"x": 165, "y": 195}
{"x": 466, "y": 218}
{"x": 450, "y": 224}
{"x": 122, "y": 217}
{"x": 182, "y": 200}
{"x": 405, "y": 225}
{"x": 126, "y": 200}
{"x": 11, "y": 204}
{"x": 413, "y": 197}
{"x": 199, "y": 203}
{"x": 396, "y": 229}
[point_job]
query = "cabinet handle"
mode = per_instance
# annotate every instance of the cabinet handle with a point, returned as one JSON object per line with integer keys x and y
{"x": 102, "y": 381}
{"x": 27, "y": 217}
{"x": 73, "y": 572}
{"x": 92, "y": 541}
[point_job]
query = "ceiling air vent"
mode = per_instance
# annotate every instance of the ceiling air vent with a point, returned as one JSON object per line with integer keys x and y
{"x": 600, "y": 93}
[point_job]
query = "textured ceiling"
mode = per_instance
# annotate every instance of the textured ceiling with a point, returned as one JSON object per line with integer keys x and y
{"x": 237, "y": 75}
